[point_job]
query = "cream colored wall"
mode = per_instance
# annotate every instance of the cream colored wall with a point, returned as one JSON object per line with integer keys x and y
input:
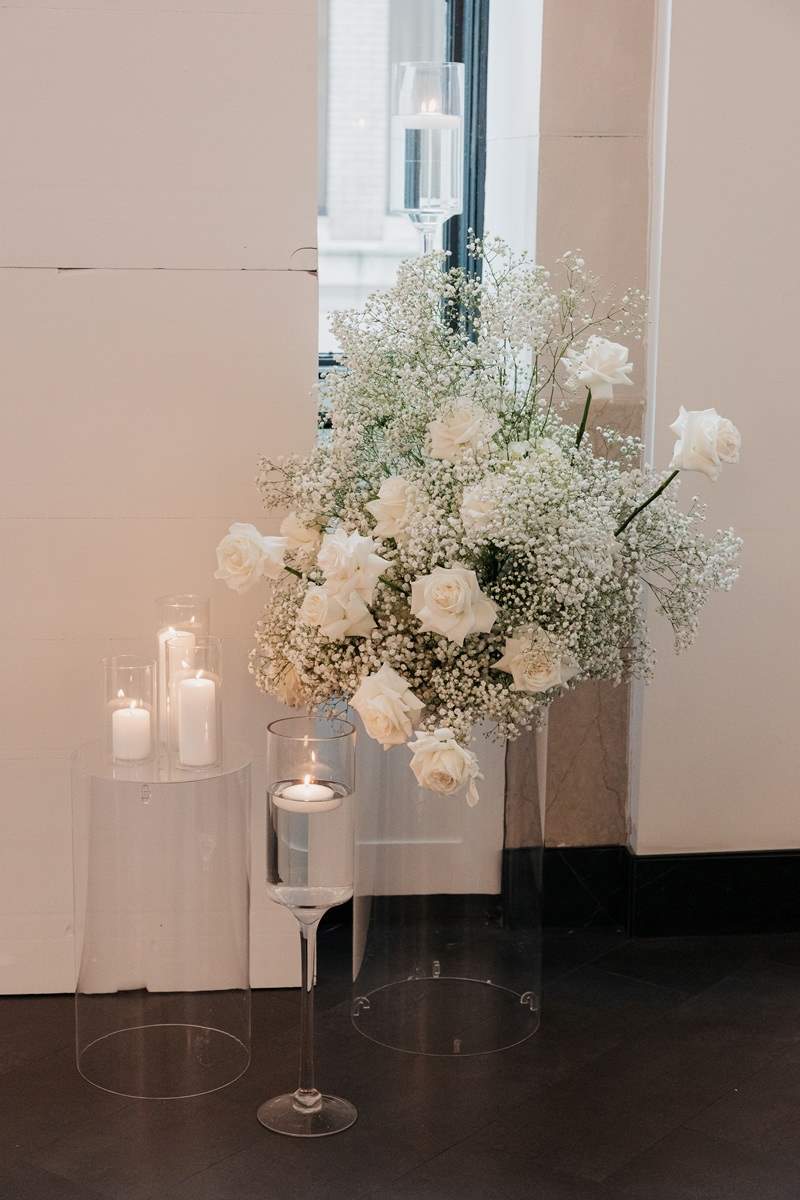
{"x": 720, "y": 752}
{"x": 157, "y": 330}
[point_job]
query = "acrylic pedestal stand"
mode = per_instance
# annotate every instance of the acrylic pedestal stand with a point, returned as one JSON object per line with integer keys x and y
{"x": 447, "y": 911}
{"x": 161, "y": 857}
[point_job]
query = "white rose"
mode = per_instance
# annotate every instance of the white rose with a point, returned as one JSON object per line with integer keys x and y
{"x": 244, "y": 556}
{"x": 337, "y": 617}
{"x": 601, "y": 365}
{"x": 478, "y": 504}
{"x": 535, "y": 661}
{"x": 461, "y": 433}
{"x": 349, "y": 563}
{"x": 442, "y": 765}
{"x": 518, "y": 450}
{"x": 391, "y": 508}
{"x": 302, "y": 540}
{"x": 449, "y": 601}
{"x": 387, "y": 706}
{"x": 314, "y": 609}
{"x": 288, "y": 688}
{"x": 705, "y": 441}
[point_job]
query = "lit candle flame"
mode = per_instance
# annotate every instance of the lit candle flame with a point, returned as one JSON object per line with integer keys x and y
{"x": 306, "y": 780}
{"x": 120, "y": 694}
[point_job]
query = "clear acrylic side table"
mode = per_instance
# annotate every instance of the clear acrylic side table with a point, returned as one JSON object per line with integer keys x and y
{"x": 161, "y": 861}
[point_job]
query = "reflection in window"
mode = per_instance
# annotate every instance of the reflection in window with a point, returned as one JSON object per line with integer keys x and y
{"x": 360, "y": 242}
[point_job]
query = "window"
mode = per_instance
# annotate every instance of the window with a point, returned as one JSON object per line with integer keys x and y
{"x": 361, "y": 243}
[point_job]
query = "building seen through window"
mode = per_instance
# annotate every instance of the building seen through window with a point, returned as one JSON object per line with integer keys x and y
{"x": 361, "y": 243}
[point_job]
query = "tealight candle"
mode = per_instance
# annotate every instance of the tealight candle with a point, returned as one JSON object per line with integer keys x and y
{"x": 307, "y": 797}
{"x": 130, "y": 733}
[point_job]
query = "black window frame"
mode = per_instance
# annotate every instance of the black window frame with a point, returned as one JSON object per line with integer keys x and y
{"x": 467, "y": 41}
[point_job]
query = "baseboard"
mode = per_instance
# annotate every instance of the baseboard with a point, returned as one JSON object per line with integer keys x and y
{"x": 666, "y": 895}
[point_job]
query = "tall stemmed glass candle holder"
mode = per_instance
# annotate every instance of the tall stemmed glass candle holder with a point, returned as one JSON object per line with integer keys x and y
{"x": 185, "y": 617}
{"x": 427, "y": 144}
{"x": 130, "y": 709}
{"x": 310, "y": 845}
{"x": 194, "y": 697}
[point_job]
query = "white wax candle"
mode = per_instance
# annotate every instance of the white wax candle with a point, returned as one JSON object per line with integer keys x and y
{"x": 130, "y": 733}
{"x": 197, "y": 722}
{"x": 307, "y": 797}
{"x": 431, "y": 120}
{"x": 184, "y": 644}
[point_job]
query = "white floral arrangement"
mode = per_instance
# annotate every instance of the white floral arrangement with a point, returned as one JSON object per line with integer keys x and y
{"x": 458, "y": 551}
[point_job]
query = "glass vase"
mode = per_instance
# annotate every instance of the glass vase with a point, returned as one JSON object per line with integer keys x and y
{"x": 186, "y": 615}
{"x": 447, "y": 908}
{"x": 427, "y": 144}
{"x": 130, "y": 708}
{"x": 310, "y": 844}
{"x": 194, "y": 701}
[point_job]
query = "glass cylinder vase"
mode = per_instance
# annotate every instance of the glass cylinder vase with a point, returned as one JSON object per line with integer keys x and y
{"x": 447, "y": 909}
{"x": 185, "y": 614}
{"x": 162, "y": 916}
{"x": 194, "y": 701}
{"x": 130, "y": 708}
{"x": 427, "y": 144}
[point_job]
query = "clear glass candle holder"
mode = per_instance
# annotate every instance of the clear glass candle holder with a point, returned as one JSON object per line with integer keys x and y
{"x": 194, "y": 701}
{"x": 310, "y": 850}
{"x": 187, "y": 615}
{"x": 130, "y": 708}
{"x": 427, "y": 144}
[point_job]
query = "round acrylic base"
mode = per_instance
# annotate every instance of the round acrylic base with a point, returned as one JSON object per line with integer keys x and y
{"x": 446, "y": 1017}
{"x": 164, "y": 1062}
{"x": 283, "y": 1115}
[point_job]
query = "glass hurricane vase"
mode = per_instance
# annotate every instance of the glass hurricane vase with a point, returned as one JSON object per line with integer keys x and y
{"x": 310, "y": 844}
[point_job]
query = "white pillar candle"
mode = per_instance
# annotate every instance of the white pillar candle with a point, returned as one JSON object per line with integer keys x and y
{"x": 197, "y": 722}
{"x": 307, "y": 797}
{"x": 130, "y": 733}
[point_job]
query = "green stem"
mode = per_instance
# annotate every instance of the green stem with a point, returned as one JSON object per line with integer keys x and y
{"x": 584, "y": 418}
{"x": 662, "y": 487}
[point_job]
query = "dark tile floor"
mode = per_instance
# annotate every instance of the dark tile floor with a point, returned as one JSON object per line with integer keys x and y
{"x": 664, "y": 1070}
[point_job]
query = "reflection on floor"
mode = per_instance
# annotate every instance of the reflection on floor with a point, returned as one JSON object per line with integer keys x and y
{"x": 665, "y": 1069}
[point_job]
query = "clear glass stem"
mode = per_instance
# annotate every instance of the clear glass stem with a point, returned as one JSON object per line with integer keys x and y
{"x": 307, "y": 1098}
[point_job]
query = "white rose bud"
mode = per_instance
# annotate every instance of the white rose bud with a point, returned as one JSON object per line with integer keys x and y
{"x": 461, "y": 433}
{"x": 387, "y": 706}
{"x": 705, "y": 441}
{"x": 535, "y": 661}
{"x": 441, "y": 765}
{"x": 449, "y": 601}
{"x": 601, "y": 365}
{"x": 244, "y": 556}
{"x": 302, "y": 540}
{"x": 391, "y": 509}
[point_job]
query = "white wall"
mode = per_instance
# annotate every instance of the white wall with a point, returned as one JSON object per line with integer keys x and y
{"x": 157, "y": 331}
{"x": 720, "y": 752}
